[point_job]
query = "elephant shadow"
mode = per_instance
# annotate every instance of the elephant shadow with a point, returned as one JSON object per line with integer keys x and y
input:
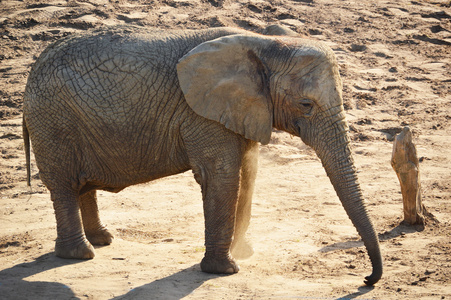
{"x": 14, "y": 286}
{"x": 400, "y": 230}
{"x": 185, "y": 282}
{"x": 172, "y": 287}
{"x": 361, "y": 291}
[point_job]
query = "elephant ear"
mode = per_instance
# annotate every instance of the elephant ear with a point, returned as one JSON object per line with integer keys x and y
{"x": 224, "y": 80}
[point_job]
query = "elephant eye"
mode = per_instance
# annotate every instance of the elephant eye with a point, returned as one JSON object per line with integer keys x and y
{"x": 306, "y": 106}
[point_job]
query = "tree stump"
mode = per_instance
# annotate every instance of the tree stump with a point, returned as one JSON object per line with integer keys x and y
{"x": 406, "y": 165}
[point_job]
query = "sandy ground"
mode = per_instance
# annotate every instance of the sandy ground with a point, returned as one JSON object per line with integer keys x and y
{"x": 395, "y": 61}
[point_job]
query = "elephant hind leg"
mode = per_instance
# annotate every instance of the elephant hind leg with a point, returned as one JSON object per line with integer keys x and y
{"x": 95, "y": 231}
{"x": 71, "y": 241}
{"x": 241, "y": 249}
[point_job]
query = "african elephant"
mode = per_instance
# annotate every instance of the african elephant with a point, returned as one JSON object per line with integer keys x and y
{"x": 124, "y": 105}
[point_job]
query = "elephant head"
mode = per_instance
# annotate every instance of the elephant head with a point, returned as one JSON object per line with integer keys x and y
{"x": 252, "y": 83}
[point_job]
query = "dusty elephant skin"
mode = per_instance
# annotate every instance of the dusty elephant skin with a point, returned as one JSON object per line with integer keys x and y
{"x": 124, "y": 106}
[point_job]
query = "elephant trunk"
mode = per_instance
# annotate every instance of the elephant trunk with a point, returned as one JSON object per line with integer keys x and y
{"x": 332, "y": 147}
{"x": 348, "y": 190}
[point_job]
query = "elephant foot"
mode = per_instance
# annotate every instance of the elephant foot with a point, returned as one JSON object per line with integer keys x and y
{"x": 80, "y": 250}
{"x": 100, "y": 238}
{"x": 242, "y": 250}
{"x": 219, "y": 266}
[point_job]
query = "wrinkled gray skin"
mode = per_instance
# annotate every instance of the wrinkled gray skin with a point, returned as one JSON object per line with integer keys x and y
{"x": 124, "y": 106}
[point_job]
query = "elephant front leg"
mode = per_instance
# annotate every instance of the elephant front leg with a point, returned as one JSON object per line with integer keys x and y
{"x": 220, "y": 198}
{"x": 95, "y": 231}
{"x": 71, "y": 241}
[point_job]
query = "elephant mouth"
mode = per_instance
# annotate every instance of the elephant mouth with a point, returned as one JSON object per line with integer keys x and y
{"x": 302, "y": 131}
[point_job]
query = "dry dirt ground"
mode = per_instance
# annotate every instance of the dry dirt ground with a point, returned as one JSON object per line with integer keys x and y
{"x": 395, "y": 61}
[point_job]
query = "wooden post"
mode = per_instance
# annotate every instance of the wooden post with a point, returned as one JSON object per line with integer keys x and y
{"x": 406, "y": 165}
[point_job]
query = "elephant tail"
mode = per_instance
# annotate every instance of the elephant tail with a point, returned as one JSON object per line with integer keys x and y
{"x": 26, "y": 141}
